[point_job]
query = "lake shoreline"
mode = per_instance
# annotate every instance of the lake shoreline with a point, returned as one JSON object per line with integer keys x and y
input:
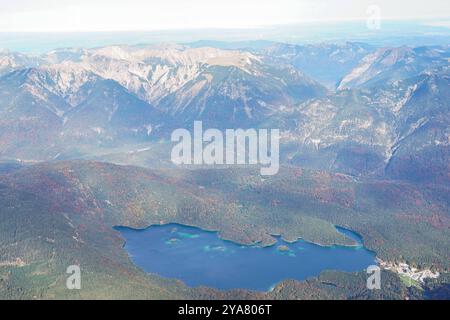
{"x": 359, "y": 238}
{"x": 214, "y": 262}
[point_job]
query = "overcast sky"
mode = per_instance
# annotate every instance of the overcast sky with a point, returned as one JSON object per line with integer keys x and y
{"x": 127, "y": 15}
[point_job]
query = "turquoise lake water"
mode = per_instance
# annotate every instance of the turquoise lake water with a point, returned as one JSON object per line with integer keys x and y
{"x": 201, "y": 258}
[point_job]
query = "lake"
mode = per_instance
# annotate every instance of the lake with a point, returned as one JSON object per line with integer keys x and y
{"x": 201, "y": 258}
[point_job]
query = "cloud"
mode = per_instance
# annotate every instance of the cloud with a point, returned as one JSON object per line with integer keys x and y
{"x": 109, "y": 15}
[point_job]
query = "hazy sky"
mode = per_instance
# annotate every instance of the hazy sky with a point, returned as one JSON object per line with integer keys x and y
{"x": 125, "y": 15}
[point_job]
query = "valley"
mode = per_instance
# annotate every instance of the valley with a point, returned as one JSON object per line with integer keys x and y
{"x": 213, "y": 262}
{"x": 70, "y": 209}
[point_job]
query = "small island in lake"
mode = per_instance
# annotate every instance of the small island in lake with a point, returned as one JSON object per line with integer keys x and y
{"x": 283, "y": 248}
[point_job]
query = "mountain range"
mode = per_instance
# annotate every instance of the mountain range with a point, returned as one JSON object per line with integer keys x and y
{"x": 378, "y": 111}
{"x": 85, "y": 146}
